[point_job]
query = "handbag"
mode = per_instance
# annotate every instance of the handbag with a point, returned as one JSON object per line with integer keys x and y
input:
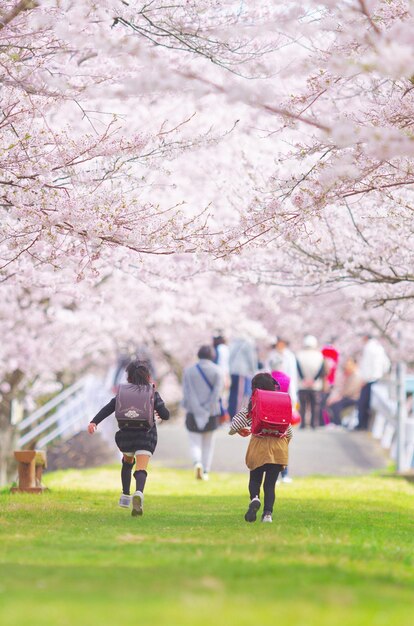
{"x": 191, "y": 424}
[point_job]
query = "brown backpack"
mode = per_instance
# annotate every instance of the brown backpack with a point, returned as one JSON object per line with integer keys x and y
{"x": 134, "y": 406}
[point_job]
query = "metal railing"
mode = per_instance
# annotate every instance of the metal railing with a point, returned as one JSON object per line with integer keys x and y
{"x": 64, "y": 415}
{"x": 393, "y": 424}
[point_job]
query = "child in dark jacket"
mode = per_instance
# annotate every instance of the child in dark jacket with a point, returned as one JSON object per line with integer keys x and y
{"x": 265, "y": 456}
{"x": 137, "y": 446}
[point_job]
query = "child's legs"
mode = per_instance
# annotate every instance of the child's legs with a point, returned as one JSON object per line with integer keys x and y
{"x": 142, "y": 459}
{"x": 126, "y": 472}
{"x": 207, "y": 450}
{"x": 195, "y": 446}
{"x": 255, "y": 482}
{"x": 272, "y": 472}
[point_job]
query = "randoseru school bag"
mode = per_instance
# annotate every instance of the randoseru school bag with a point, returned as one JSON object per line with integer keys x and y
{"x": 134, "y": 406}
{"x": 271, "y": 413}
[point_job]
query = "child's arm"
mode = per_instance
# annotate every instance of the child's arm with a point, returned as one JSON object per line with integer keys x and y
{"x": 101, "y": 415}
{"x": 240, "y": 422}
{"x": 160, "y": 408}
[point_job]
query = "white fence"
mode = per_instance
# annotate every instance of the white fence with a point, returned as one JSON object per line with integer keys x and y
{"x": 65, "y": 415}
{"x": 393, "y": 424}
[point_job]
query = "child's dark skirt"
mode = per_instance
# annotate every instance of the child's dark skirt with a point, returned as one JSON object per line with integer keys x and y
{"x": 132, "y": 440}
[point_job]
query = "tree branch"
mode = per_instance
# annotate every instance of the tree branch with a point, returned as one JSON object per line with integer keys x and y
{"x": 23, "y": 5}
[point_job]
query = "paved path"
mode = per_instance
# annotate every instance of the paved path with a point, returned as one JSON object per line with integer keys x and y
{"x": 324, "y": 451}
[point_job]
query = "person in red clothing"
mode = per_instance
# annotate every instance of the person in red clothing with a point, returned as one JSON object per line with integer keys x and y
{"x": 331, "y": 358}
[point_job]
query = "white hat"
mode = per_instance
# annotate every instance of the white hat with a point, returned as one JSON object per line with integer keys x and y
{"x": 309, "y": 341}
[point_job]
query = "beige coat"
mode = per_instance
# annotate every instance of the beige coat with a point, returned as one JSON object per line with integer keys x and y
{"x": 262, "y": 450}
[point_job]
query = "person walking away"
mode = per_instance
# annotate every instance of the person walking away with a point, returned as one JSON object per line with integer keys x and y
{"x": 137, "y": 445}
{"x": 243, "y": 365}
{"x": 346, "y": 395}
{"x": 374, "y": 365}
{"x": 222, "y": 360}
{"x": 282, "y": 357}
{"x": 311, "y": 370}
{"x": 331, "y": 358}
{"x": 274, "y": 359}
{"x": 266, "y": 456}
{"x": 202, "y": 387}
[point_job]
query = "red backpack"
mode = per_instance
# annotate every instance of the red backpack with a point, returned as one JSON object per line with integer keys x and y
{"x": 271, "y": 412}
{"x": 134, "y": 406}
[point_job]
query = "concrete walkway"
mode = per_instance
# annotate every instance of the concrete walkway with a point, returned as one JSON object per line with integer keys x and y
{"x": 324, "y": 451}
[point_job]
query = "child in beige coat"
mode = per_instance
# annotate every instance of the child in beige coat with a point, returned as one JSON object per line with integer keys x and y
{"x": 265, "y": 456}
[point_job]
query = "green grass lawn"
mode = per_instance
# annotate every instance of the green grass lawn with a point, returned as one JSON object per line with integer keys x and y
{"x": 339, "y": 552}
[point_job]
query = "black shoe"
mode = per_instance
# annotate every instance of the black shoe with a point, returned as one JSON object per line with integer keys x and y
{"x": 251, "y": 514}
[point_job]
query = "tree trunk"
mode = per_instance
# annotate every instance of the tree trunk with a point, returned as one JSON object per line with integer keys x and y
{"x": 7, "y": 445}
{"x": 174, "y": 364}
{"x": 8, "y": 432}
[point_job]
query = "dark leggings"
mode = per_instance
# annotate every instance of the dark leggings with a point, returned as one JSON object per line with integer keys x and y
{"x": 256, "y": 477}
{"x": 126, "y": 474}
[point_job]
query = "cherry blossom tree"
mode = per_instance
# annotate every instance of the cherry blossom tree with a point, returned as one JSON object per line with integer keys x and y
{"x": 83, "y": 132}
{"x": 58, "y": 337}
{"x": 341, "y": 196}
{"x": 75, "y": 158}
{"x": 167, "y": 169}
{"x": 352, "y": 165}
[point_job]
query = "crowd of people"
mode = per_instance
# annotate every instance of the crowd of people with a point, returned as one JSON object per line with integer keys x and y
{"x": 217, "y": 389}
{"x": 323, "y": 384}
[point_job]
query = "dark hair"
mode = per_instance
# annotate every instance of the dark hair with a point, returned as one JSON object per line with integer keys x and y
{"x": 206, "y": 352}
{"x": 282, "y": 340}
{"x": 218, "y": 340}
{"x": 263, "y": 380}
{"x": 138, "y": 373}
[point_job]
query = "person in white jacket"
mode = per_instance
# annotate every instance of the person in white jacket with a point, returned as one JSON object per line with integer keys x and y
{"x": 374, "y": 364}
{"x": 311, "y": 370}
{"x": 282, "y": 359}
{"x": 223, "y": 360}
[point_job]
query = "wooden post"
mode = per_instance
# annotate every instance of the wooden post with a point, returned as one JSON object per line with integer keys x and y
{"x": 30, "y": 467}
{"x": 40, "y": 465}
